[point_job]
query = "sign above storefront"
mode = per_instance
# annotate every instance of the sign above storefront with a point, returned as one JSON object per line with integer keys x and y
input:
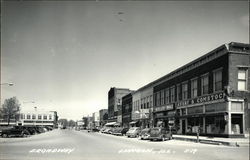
{"x": 202, "y": 99}
{"x": 164, "y": 108}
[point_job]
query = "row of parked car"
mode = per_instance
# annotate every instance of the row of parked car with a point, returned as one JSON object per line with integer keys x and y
{"x": 156, "y": 133}
{"x": 23, "y": 131}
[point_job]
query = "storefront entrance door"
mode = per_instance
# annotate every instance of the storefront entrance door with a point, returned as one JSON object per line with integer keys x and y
{"x": 183, "y": 127}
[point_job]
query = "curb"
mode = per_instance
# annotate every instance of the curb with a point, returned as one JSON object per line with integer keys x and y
{"x": 234, "y": 144}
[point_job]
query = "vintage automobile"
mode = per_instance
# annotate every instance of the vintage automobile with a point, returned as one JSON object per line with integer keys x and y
{"x": 145, "y": 133}
{"x": 133, "y": 132}
{"x": 159, "y": 133}
{"x": 15, "y": 131}
{"x": 116, "y": 131}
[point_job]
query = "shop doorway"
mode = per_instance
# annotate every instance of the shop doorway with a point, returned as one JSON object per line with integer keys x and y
{"x": 183, "y": 128}
{"x": 237, "y": 127}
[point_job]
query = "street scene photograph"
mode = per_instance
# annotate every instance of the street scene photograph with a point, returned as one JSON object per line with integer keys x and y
{"x": 124, "y": 80}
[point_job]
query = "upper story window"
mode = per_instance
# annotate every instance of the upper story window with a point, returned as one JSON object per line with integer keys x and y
{"x": 33, "y": 116}
{"x": 204, "y": 84}
{"x": 194, "y": 89}
{"x": 22, "y": 116}
{"x": 184, "y": 90}
{"x": 157, "y": 98}
{"x": 217, "y": 80}
{"x": 172, "y": 94}
{"x": 39, "y": 116}
{"x": 28, "y": 116}
{"x": 50, "y": 117}
{"x": 151, "y": 101}
{"x": 167, "y": 95}
{"x": 162, "y": 97}
{"x": 179, "y": 94}
{"x": 242, "y": 79}
{"x": 45, "y": 117}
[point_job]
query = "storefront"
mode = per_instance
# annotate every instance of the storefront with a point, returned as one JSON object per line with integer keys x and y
{"x": 221, "y": 117}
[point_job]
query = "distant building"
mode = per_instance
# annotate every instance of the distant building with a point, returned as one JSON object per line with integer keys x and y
{"x": 38, "y": 118}
{"x": 115, "y": 103}
{"x": 103, "y": 116}
{"x": 96, "y": 119}
{"x": 126, "y": 110}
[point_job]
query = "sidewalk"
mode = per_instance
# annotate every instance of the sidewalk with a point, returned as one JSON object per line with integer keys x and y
{"x": 237, "y": 142}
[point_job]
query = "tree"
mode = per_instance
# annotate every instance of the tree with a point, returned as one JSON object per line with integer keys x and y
{"x": 72, "y": 123}
{"x": 10, "y": 109}
{"x": 63, "y": 122}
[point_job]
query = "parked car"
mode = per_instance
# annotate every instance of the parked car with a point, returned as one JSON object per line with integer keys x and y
{"x": 111, "y": 130}
{"x": 121, "y": 131}
{"x": 31, "y": 130}
{"x": 15, "y": 131}
{"x": 145, "y": 133}
{"x": 159, "y": 133}
{"x": 107, "y": 130}
{"x": 95, "y": 130}
{"x": 117, "y": 131}
{"x": 133, "y": 132}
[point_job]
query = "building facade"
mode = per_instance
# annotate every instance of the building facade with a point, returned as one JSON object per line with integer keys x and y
{"x": 126, "y": 110}
{"x": 209, "y": 94}
{"x": 96, "y": 119}
{"x": 142, "y": 106}
{"x": 38, "y": 118}
{"x": 103, "y": 116}
{"x": 115, "y": 103}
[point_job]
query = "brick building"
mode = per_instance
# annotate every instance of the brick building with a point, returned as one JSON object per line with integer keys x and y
{"x": 210, "y": 93}
{"x": 115, "y": 103}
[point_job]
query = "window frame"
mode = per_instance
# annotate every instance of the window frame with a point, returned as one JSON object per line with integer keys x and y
{"x": 202, "y": 90}
{"x": 192, "y": 89}
{"x": 214, "y": 71}
{"x": 242, "y": 80}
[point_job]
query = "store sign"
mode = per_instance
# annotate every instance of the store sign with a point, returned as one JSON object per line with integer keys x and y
{"x": 164, "y": 108}
{"x": 202, "y": 99}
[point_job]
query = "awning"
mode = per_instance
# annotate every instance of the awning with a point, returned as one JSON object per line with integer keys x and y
{"x": 110, "y": 123}
{"x": 133, "y": 122}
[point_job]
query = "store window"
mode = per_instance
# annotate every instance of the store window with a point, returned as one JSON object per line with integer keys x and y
{"x": 242, "y": 79}
{"x": 194, "y": 89}
{"x": 184, "y": 91}
{"x": 195, "y": 123}
{"x": 167, "y": 96}
{"x": 172, "y": 94}
{"x": 215, "y": 124}
{"x": 204, "y": 84}
{"x": 217, "y": 80}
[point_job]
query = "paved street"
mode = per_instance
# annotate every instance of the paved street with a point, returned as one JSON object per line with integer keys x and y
{"x": 70, "y": 144}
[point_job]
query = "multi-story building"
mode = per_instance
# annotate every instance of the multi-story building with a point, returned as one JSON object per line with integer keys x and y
{"x": 210, "y": 94}
{"x": 103, "y": 116}
{"x": 142, "y": 106}
{"x": 38, "y": 118}
{"x": 115, "y": 103}
{"x": 126, "y": 110}
{"x": 96, "y": 119}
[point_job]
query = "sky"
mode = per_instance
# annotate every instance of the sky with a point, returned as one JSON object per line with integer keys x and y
{"x": 65, "y": 55}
